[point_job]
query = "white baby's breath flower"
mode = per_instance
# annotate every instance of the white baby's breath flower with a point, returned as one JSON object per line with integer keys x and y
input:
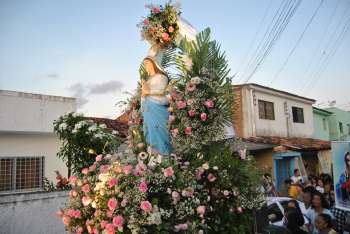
{"x": 103, "y": 126}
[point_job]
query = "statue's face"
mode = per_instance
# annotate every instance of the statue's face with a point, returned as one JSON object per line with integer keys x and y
{"x": 149, "y": 66}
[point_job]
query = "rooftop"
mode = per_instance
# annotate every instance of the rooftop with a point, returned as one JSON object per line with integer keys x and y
{"x": 292, "y": 143}
{"x": 276, "y": 90}
{"x": 36, "y": 96}
{"x": 112, "y": 124}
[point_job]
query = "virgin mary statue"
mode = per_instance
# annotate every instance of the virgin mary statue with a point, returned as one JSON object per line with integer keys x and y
{"x": 155, "y": 105}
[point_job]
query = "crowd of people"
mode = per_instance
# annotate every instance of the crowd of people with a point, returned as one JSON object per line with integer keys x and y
{"x": 318, "y": 196}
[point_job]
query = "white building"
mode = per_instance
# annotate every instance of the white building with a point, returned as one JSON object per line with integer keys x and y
{"x": 263, "y": 111}
{"x": 28, "y": 145}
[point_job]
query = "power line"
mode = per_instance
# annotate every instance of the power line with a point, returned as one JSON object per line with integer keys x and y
{"x": 297, "y": 43}
{"x": 255, "y": 36}
{"x": 323, "y": 36}
{"x": 274, "y": 34}
{"x": 329, "y": 56}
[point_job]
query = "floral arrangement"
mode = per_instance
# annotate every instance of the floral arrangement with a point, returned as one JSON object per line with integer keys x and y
{"x": 160, "y": 26}
{"x": 201, "y": 100}
{"x": 201, "y": 188}
{"x": 152, "y": 194}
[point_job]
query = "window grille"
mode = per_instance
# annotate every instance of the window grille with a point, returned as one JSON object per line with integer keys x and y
{"x": 266, "y": 110}
{"x": 21, "y": 173}
{"x": 298, "y": 115}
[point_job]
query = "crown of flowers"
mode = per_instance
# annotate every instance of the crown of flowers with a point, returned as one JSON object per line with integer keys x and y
{"x": 160, "y": 27}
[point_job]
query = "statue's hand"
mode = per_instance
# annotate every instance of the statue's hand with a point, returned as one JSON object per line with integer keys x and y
{"x": 145, "y": 90}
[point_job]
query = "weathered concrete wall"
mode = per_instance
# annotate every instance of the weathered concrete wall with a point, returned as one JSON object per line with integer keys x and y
{"x": 33, "y": 213}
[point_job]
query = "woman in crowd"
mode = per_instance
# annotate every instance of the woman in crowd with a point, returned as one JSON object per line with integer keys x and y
{"x": 319, "y": 206}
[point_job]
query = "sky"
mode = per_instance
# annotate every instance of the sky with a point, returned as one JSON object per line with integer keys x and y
{"x": 91, "y": 49}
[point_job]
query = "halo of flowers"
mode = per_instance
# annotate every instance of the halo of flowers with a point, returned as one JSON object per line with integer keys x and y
{"x": 160, "y": 27}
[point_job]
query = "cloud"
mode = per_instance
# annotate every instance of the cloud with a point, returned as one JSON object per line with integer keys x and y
{"x": 81, "y": 91}
{"x": 106, "y": 87}
{"x": 78, "y": 90}
{"x": 53, "y": 75}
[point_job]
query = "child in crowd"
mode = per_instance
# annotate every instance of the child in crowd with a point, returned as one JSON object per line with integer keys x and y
{"x": 323, "y": 224}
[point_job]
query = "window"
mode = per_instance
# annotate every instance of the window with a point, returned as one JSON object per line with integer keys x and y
{"x": 298, "y": 114}
{"x": 348, "y": 129}
{"x": 266, "y": 110}
{"x": 324, "y": 124}
{"x": 341, "y": 130}
{"x": 21, "y": 173}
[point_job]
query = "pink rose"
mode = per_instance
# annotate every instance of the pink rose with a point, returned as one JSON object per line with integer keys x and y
{"x": 140, "y": 145}
{"x": 181, "y": 105}
{"x": 199, "y": 173}
{"x": 112, "y": 182}
{"x": 76, "y": 214}
{"x": 191, "y": 113}
{"x": 109, "y": 229}
{"x": 226, "y": 193}
{"x": 175, "y": 196}
{"x": 188, "y": 192}
{"x": 188, "y": 130}
{"x": 201, "y": 210}
{"x": 85, "y": 171}
{"x": 145, "y": 22}
{"x": 171, "y": 118}
{"x": 173, "y": 95}
{"x": 80, "y": 230}
{"x": 143, "y": 187}
{"x": 209, "y": 103}
{"x": 124, "y": 202}
{"x": 171, "y": 29}
{"x": 85, "y": 188}
{"x": 72, "y": 180}
{"x": 103, "y": 223}
{"x": 181, "y": 227}
{"x": 168, "y": 172}
{"x": 211, "y": 177}
{"x": 92, "y": 167}
{"x": 240, "y": 210}
{"x": 190, "y": 87}
{"x": 104, "y": 168}
{"x": 146, "y": 206}
{"x": 140, "y": 169}
{"x": 174, "y": 132}
{"x": 66, "y": 220}
{"x": 165, "y": 36}
{"x": 98, "y": 157}
{"x": 86, "y": 200}
{"x": 112, "y": 204}
{"x": 109, "y": 213}
{"x": 204, "y": 116}
{"x": 156, "y": 10}
{"x": 118, "y": 221}
{"x": 127, "y": 169}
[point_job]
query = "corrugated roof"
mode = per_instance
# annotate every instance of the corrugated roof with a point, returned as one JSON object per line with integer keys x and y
{"x": 294, "y": 143}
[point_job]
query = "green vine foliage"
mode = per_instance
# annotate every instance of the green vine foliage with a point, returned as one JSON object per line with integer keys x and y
{"x": 82, "y": 141}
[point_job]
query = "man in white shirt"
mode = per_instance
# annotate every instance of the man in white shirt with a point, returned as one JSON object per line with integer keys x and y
{"x": 296, "y": 178}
